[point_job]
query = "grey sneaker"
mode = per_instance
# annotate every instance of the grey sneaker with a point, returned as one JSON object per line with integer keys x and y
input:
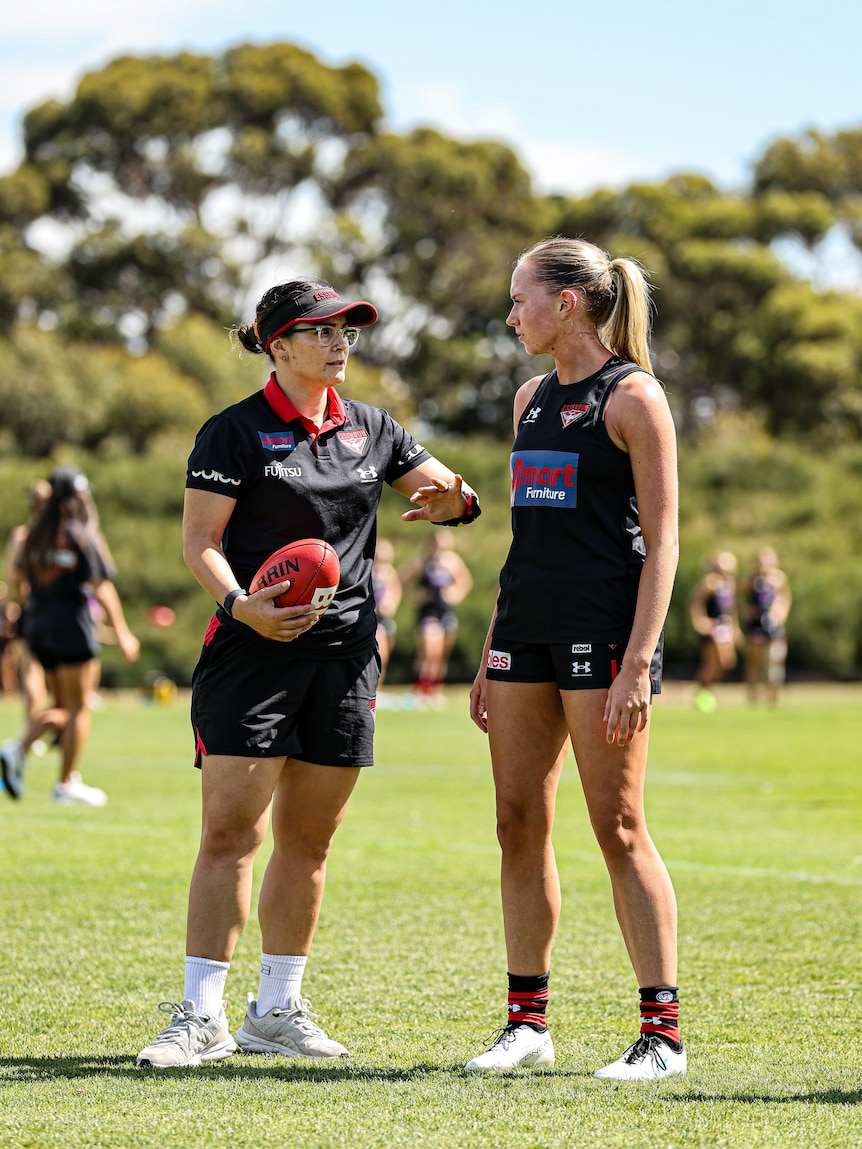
{"x": 190, "y": 1039}
{"x": 13, "y": 762}
{"x": 291, "y": 1031}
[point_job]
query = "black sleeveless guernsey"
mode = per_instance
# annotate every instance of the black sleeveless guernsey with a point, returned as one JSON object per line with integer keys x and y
{"x": 574, "y": 565}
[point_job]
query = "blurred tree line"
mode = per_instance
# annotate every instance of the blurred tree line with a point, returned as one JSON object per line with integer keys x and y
{"x": 153, "y": 207}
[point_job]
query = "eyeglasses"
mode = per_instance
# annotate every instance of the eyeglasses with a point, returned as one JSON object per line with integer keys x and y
{"x": 327, "y": 334}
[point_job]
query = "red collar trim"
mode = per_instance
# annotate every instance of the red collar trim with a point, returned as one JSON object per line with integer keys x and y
{"x": 336, "y": 413}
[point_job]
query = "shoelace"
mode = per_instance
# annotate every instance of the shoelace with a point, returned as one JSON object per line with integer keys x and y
{"x": 502, "y": 1036}
{"x": 646, "y": 1045}
{"x": 302, "y": 1016}
{"x": 182, "y": 1024}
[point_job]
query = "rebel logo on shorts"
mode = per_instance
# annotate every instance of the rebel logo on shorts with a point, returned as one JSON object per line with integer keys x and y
{"x": 571, "y": 412}
{"x": 545, "y": 479}
{"x": 499, "y": 660}
{"x": 355, "y": 440}
{"x": 277, "y": 440}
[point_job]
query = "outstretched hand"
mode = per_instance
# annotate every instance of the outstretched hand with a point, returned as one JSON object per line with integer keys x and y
{"x": 437, "y": 503}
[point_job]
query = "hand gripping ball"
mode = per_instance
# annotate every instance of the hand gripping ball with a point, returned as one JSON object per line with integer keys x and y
{"x": 313, "y": 570}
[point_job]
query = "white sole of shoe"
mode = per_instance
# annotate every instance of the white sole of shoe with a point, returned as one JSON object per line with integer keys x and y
{"x": 217, "y": 1053}
{"x": 249, "y": 1043}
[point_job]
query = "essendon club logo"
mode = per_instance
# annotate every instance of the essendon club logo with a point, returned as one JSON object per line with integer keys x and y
{"x": 571, "y": 412}
{"x": 355, "y": 440}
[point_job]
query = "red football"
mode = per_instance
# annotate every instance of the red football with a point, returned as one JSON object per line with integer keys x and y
{"x": 311, "y": 565}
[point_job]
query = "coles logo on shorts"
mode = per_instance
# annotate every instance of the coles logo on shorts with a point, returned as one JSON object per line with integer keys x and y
{"x": 499, "y": 660}
{"x": 545, "y": 479}
{"x": 277, "y": 440}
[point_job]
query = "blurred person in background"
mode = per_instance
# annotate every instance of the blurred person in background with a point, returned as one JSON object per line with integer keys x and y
{"x": 387, "y": 589}
{"x": 442, "y": 581}
{"x": 714, "y": 615}
{"x": 765, "y": 600}
{"x": 29, "y": 673}
{"x": 63, "y": 562}
{"x": 574, "y": 649}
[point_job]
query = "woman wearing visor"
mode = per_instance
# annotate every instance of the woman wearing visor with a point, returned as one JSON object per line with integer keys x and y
{"x": 283, "y": 698}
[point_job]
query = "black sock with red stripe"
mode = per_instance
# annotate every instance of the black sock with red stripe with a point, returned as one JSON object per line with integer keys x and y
{"x": 528, "y": 1000}
{"x": 660, "y": 1013}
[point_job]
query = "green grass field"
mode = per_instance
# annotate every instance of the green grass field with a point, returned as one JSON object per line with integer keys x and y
{"x": 757, "y": 813}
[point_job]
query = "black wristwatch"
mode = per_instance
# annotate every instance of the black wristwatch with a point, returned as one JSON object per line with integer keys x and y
{"x": 230, "y": 598}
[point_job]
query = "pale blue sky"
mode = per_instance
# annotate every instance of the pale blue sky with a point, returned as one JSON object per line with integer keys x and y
{"x": 589, "y": 95}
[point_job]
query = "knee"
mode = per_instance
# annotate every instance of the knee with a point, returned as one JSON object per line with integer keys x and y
{"x": 520, "y": 827}
{"x": 305, "y": 843}
{"x": 619, "y": 835}
{"x": 221, "y": 840}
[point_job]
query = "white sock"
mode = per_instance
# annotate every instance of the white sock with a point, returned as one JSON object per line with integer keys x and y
{"x": 205, "y": 982}
{"x": 280, "y": 980}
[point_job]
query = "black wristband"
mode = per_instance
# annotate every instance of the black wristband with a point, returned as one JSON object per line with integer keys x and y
{"x": 471, "y": 512}
{"x": 230, "y": 598}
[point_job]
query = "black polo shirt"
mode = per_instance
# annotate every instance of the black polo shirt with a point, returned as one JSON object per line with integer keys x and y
{"x": 292, "y": 481}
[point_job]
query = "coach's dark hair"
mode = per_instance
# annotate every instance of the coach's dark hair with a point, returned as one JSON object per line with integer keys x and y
{"x": 615, "y": 291}
{"x": 248, "y": 334}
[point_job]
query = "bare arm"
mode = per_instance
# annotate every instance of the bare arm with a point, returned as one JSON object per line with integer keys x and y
{"x": 107, "y": 594}
{"x": 205, "y": 519}
{"x": 463, "y": 580}
{"x": 639, "y": 421}
{"x": 15, "y": 582}
{"x": 700, "y": 620}
{"x": 438, "y": 493}
{"x": 478, "y": 692}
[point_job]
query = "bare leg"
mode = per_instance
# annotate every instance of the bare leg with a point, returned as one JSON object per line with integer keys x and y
{"x": 756, "y": 653}
{"x": 613, "y": 781}
{"x": 236, "y": 796}
{"x": 528, "y": 743}
{"x": 309, "y": 805}
{"x": 72, "y": 687}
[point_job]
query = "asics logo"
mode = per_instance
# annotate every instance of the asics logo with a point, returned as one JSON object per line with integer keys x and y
{"x": 216, "y": 477}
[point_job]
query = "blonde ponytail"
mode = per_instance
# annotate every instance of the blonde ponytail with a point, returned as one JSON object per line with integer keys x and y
{"x": 615, "y": 291}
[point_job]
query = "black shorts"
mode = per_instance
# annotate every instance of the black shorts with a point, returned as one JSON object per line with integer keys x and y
{"x": 258, "y": 699}
{"x": 571, "y": 665}
{"x": 67, "y": 641}
{"x": 437, "y": 615}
